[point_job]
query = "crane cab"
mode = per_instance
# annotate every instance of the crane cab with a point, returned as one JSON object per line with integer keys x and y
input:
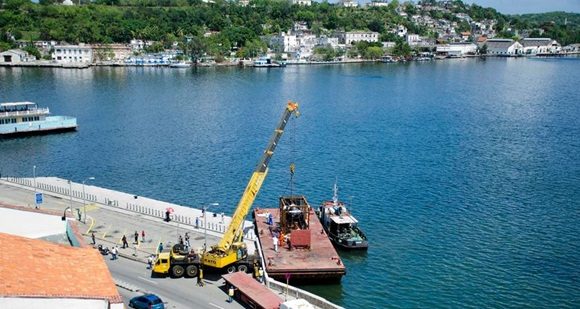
{"x": 162, "y": 264}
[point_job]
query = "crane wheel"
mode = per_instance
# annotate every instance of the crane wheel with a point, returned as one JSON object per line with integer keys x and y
{"x": 243, "y": 268}
{"x": 231, "y": 269}
{"x": 191, "y": 271}
{"x": 177, "y": 271}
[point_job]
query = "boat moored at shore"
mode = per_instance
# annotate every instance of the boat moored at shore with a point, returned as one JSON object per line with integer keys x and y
{"x": 340, "y": 225}
{"x": 26, "y": 118}
{"x": 267, "y": 62}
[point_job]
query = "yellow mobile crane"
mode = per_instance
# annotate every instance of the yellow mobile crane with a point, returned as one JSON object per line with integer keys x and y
{"x": 231, "y": 251}
{"x": 231, "y": 247}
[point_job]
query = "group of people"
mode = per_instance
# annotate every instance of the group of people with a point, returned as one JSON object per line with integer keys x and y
{"x": 279, "y": 239}
{"x": 136, "y": 237}
{"x": 185, "y": 243}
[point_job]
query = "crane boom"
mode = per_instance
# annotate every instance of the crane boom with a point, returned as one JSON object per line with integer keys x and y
{"x": 221, "y": 254}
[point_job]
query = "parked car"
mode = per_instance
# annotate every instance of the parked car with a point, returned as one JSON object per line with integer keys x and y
{"x": 147, "y": 301}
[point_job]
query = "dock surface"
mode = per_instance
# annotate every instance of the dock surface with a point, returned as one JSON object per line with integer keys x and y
{"x": 319, "y": 263}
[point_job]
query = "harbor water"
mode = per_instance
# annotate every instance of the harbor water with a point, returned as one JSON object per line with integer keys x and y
{"x": 464, "y": 174}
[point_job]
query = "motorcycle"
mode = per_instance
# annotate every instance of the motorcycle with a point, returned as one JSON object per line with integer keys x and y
{"x": 103, "y": 250}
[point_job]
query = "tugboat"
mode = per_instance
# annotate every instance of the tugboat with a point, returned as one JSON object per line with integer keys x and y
{"x": 341, "y": 225}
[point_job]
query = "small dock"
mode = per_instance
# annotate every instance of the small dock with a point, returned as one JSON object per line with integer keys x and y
{"x": 311, "y": 256}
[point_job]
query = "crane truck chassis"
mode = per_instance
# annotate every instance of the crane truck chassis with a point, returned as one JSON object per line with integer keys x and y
{"x": 231, "y": 252}
{"x": 179, "y": 262}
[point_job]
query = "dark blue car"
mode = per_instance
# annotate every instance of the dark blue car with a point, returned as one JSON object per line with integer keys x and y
{"x": 147, "y": 301}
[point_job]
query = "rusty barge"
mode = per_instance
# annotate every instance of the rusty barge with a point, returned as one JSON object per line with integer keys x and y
{"x": 303, "y": 252}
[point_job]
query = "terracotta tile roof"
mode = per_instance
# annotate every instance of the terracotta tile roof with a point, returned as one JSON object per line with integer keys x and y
{"x": 36, "y": 268}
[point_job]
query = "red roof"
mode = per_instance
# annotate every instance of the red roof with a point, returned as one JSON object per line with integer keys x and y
{"x": 37, "y": 268}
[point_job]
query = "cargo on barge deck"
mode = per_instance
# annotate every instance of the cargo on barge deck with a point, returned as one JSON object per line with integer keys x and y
{"x": 307, "y": 255}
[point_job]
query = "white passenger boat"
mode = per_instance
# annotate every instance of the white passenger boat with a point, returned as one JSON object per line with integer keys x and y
{"x": 23, "y": 118}
{"x": 180, "y": 65}
{"x": 267, "y": 62}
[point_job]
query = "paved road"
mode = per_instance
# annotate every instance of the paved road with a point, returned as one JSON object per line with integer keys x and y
{"x": 177, "y": 293}
{"x": 109, "y": 226}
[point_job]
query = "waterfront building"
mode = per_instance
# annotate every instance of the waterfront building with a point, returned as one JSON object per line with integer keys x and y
{"x": 356, "y": 36}
{"x": 73, "y": 54}
{"x": 504, "y": 47}
{"x": 15, "y": 56}
{"x": 455, "y": 50}
{"x": 572, "y": 48}
{"x": 111, "y": 52}
{"x": 534, "y": 46}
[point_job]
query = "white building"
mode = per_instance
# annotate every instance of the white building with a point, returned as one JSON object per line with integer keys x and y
{"x": 504, "y": 47}
{"x": 401, "y": 31}
{"x": 348, "y": 3}
{"x": 15, "y": 56}
{"x": 326, "y": 41}
{"x": 378, "y": 3}
{"x": 456, "y": 49}
{"x": 300, "y": 26}
{"x": 73, "y": 54}
{"x": 302, "y": 2}
{"x": 534, "y": 46}
{"x": 357, "y": 36}
{"x": 413, "y": 39}
{"x": 284, "y": 42}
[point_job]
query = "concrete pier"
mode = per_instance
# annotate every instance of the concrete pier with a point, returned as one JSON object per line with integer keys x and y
{"x": 111, "y": 214}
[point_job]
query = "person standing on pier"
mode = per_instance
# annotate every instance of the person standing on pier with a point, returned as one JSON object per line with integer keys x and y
{"x": 150, "y": 261}
{"x": 125, "y": 243}
{"x": 275, "y": 241}
{"x": 142, "y": 235}
{"x": 160, "y": 248}
{"x": 136, "y": 237}
{"x": 231, "y": 294}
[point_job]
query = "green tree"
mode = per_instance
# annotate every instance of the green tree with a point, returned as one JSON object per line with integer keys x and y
{"x": 374, "y": 52}
{"x": 32, "y": 50}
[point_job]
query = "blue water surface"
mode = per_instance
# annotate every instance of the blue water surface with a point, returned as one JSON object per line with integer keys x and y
{"x": 465, "y": 174}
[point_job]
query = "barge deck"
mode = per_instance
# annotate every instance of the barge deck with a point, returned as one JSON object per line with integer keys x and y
{"x": 307, "y": 255}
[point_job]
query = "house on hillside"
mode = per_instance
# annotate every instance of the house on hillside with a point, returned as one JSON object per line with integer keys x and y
{"x": 348, "y": 3}
{"x": 15, "y": 56}
{"x": 504, "y": 47}
{"x": 355, "y": 36}
{"x": 534, "y": 46}
{"x": 302, "y": 2}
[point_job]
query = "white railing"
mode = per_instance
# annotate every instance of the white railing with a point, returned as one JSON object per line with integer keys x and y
{"x": 34, "y": 111}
